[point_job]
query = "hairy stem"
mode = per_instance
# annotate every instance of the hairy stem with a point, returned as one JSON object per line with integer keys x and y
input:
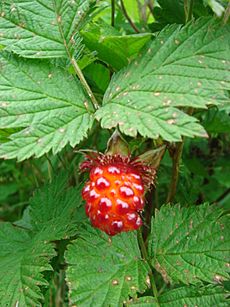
{"x": 132, "y": 24}
{"x": 175, "y": 171}
{"x": 188, "y": 8}
{"x": 84, "y": 83}
{"x": 146, "y": 258}
{"x": 112, "y": 13}
{"x": 74, "y": 63}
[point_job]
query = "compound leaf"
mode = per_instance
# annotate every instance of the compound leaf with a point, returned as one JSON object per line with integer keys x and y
{"x": 46, "y": 102}
{"x": 183, "y": 67}
{"x": 103, "y": 271}
{"x": 23, "y": 258}
{"x": 190, "y": 245}
{"x": 187, "y": 296}
{"x": 40, "y": 28}
{"x": 56, "y": 208}
{"x": 26, "y": 250}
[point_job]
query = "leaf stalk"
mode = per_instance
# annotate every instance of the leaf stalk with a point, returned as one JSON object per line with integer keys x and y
{"x": 84, "y": 83}
{"x": 146, "y": 258}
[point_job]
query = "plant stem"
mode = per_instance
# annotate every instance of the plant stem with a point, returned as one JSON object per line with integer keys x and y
{"x": 84, "y": 83}
{"x": 146, "y": 258}
{"x": 112, "y": 13}
{"x": 156, "y": 198}
{"x": 132, "y": 24}
{"x": 150, "y": 5}
{"x": 227, "y": 14}
{"x": 188, "y": 8}
{"x": 50, "y": 168}
{"x": 74, "y": 63}
{"x": 175, "y": 171}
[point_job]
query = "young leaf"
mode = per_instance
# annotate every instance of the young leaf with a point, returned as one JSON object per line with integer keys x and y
{"x": 56, "y": 208}
{"x": 41, "y": 28}
{"x": 103, "y": 271}
{"x": 23, "y": 258}
{"x": 190, "y": 245}
{"x": 46, "y": 102}
{"x": 187, "y": 296}
{"x": 112, "y": 47}
{"x": 183, "y": 67}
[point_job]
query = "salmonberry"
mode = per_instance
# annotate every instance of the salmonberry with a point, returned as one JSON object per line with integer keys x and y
{"x": 114, "y": 194}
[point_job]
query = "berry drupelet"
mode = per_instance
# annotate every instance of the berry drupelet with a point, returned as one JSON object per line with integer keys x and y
{"x": 114, "y": 194}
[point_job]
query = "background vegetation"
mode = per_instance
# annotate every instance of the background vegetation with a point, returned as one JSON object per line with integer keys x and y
{"x": 72, "y": 71}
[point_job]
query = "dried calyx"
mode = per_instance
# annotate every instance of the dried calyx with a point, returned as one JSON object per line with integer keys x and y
{"x": 146, "y": 171}
{"x": 115, "y": 191}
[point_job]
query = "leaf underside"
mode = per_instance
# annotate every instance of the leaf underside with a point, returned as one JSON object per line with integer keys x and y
{"x": 182, "y": 67}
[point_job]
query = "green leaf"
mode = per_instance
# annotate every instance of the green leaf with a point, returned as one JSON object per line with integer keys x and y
{"x": 183, "y": 67}
{"x": 5, "y": 133}
{"x": 216, "y": 6}
{"x": 53, "y": 214}
{"x": 216, "y": 121}
{"x": 187, "y": 296}
{"x": 46, "y": 102}
{"x": 170, "y": 12}
{"x": 42, "y": 29}
{"x": 98, "y": 76}
{"x": 23, "y": 258}
{"x": 190, "y": 245}
{"x": 222, "y": 171}
{"x": 104, "y": 271}
{"x": 55, "y": 208}
{"x": 7, "y": 189}
{"x": 25, "y": 221}
{"x": 112, "y": 47}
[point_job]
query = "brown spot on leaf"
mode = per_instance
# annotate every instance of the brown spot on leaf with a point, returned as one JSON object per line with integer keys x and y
{"x": 162, "y": 271}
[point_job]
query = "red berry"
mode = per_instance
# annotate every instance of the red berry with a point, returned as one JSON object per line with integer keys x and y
{"x": 114, "y": 194}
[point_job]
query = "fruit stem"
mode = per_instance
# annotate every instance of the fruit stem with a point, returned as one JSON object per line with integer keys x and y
{"x": 176, "y": 165}
{"x": 146, "y": 258}
{"x": 175, "y": 171}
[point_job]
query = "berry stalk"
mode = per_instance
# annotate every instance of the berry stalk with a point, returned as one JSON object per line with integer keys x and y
{"x": 145, "y": 256}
